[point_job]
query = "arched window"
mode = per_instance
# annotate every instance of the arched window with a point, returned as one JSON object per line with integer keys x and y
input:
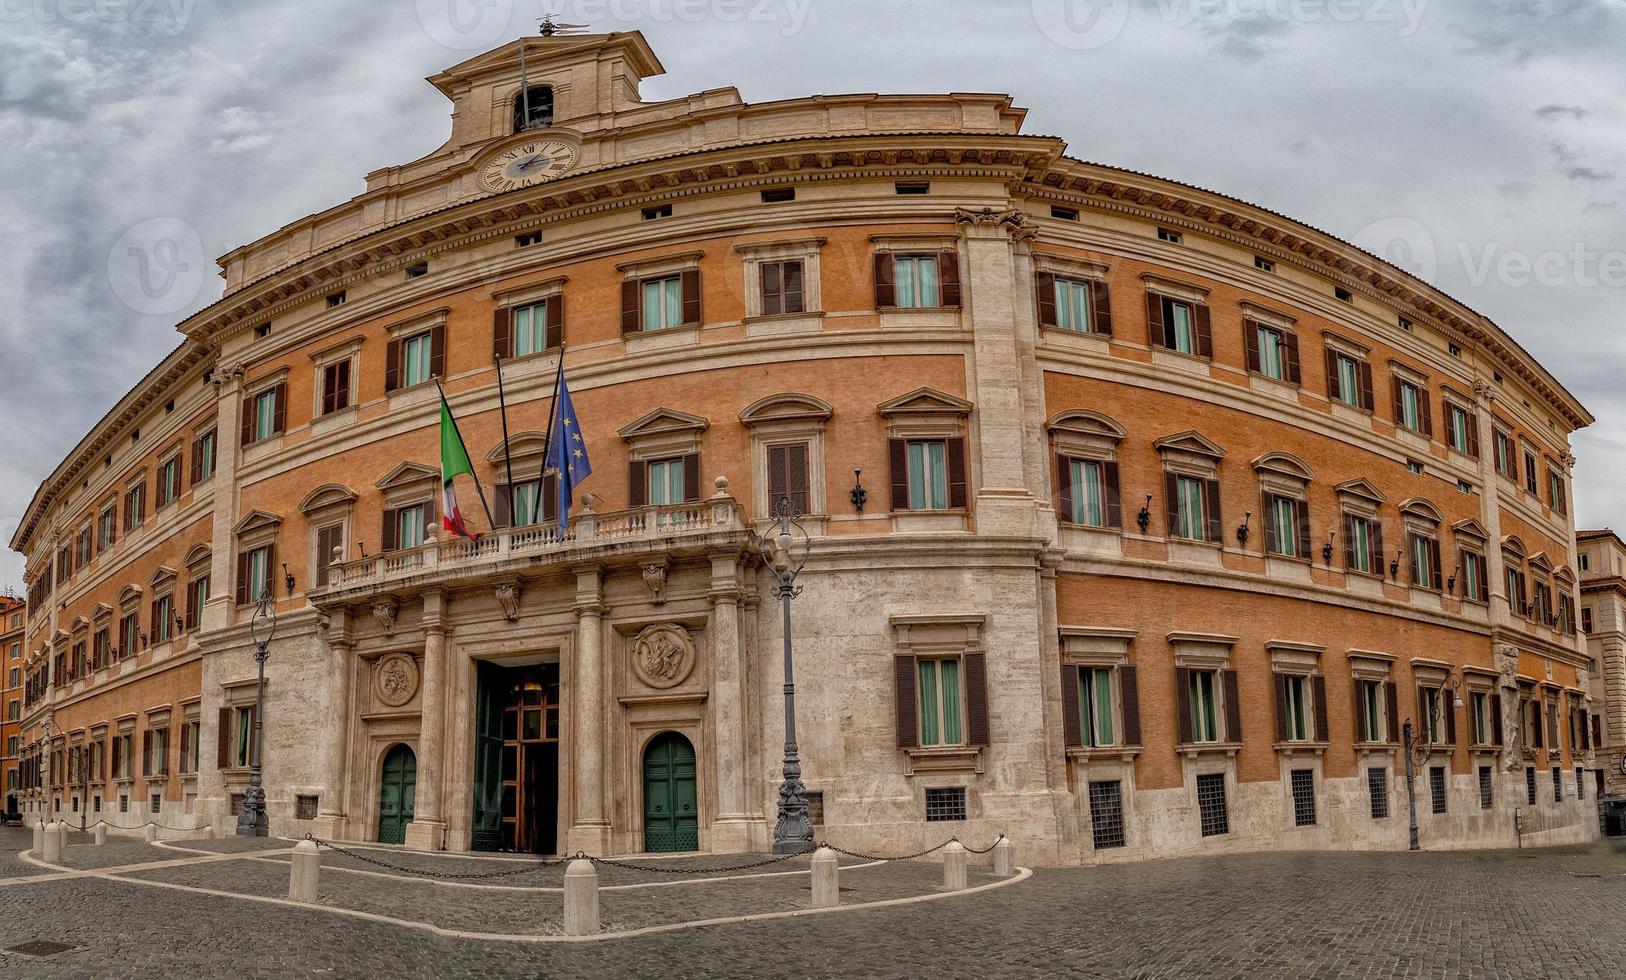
{"x": 533, "y": 108}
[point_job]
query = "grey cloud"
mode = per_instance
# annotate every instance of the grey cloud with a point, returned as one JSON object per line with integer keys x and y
{"x": 1555, "y": 110}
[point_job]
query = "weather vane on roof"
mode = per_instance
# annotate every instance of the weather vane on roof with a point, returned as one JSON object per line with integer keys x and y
{"x": 552, "y": 28}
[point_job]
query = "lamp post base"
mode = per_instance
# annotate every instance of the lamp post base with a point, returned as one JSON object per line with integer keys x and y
{"x": 793, "y": 831}
{"x": 253, "y": 822}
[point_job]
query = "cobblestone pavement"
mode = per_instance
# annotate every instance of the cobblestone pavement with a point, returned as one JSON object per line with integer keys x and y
{"x": 1556, "y": 912}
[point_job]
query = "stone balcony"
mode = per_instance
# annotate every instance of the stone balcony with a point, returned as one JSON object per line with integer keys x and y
{"x": 690, "y": 529}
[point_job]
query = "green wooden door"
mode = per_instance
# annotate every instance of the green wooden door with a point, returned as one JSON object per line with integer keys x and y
{"x": 488, "y": 710}
{"x": 396, "y": 794}
{"x": 671, "y": 802}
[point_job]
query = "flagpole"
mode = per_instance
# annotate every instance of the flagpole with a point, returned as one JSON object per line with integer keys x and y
{"x": 507, "y": 457}
{"x": 553, "y": 415}
{"x": 472, "y": 471}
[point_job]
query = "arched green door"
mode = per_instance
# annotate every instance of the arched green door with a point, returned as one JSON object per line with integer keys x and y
{"x": 671, "y": 803}
{"x": 396, "y": 794}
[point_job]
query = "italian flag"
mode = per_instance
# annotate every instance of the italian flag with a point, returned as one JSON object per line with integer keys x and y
{"x": 454, "y": 462}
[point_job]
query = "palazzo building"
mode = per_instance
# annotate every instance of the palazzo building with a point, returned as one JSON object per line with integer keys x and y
{"x": 12, "y": 614}
{"x": 1144, "y": 521}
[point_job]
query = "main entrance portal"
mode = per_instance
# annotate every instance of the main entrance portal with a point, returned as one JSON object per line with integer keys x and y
{"x": 516, "y": 776}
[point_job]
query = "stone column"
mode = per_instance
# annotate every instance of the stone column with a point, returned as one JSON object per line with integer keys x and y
{"x": 330, "y": 818}
{"x": 731, "y": 831}
{"x": 459, "y": 788}
{"x": 590, "y": 831}
{"x": 427, "y": 830}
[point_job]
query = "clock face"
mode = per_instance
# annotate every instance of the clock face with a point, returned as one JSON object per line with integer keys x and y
{"x": 525, "y": 164}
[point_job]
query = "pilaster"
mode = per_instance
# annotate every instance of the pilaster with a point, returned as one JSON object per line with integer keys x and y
{"x": 590, "y": 830}
{"x": 427, "y": 831}
{"x": 731, "y": 831}
{"x": 330, "y": 818}
{"x": 228, "y": 382}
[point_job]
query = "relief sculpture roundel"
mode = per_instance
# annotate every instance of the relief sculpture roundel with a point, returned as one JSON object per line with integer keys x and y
{"x": 663, "y": 655}
{"x": 396, "y": 679}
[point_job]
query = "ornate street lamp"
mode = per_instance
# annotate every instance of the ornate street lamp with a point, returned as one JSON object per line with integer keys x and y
{"x": 784, "y": 555}
{"x": 252, "y": 822}
{"x": 1418, "y": 753}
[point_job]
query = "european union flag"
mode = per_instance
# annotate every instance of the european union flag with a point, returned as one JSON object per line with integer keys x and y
{"x": 567, "y": 453}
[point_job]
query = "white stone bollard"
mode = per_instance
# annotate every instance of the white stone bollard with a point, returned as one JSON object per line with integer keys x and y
{"x": 39, "y": 838}
{"x": 581, "y": 898}
{"x": 954, "y": 866}
{"x": 149, "y": 833}
{"x": 53, "y": 844}
{"x": 1003, "y": 866}
{"x": 101, "y": 833}
{"x": 307, "y": 869}
{"x": 826, "y": 879}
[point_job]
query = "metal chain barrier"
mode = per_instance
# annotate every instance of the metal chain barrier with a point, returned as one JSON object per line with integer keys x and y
{"x": 972, "y": 850}
{"x": 444, "y": 875}
{"x": 917, "y": 854}
{"x": 654, "y": 869}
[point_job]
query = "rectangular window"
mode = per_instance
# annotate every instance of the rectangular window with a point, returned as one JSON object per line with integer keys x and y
{"x": 666, "y": 481}
{"x": 1089, "y": 497}
{"x": 1106, "y": 814}
{"x": 206, "y": 455}
{"x": 815, "y": 808}
{"x": 1530, "y": 477}
{"x": 1506, "y": 461}
{"x": 530, "y": 329}
{"x": 1460, "y": 435}
{"x": 1473, "y": 576}
{"x": 259, "y": 573}
{"x": 1179, "y": 326}
{"x": 411, "y": 525}
{"x": 945, "y": 803}
{"x": 1303, "y": 797}
{"x": 106, "y": 529}
{"x": 939, "y": 702}
{"x": 1436, "y": 787}
{"x": 169, "y": 481}
{"x": 1558, "y": 785}
{"x": 1422, "y": 561}
{"x": 336, "y": 386}
{"x": 1580, "y": 784}
{"x": 1377, "y": 789}
{"x": 329, "y": 540}
{"x": 415, "y": 359}
{"x": 782, "y": 290}
{"x": 265, "y": 414}
{"x": 163, "y": 618}
{"x": 1193, "y": 500}
{"x": 928, "y": 475}
{"x": 1359, "y": 550}
{"x": 1213, "y": 819}
{"x": 1272, "y": 363}
{"x": 1204, "y": 705}
{"x": 305, "y": 807}
{"x": 1296, "y": 707}
{"x": 1073, "y": 305}
{"x": 1349, "y": 379}
{"x": 1530, "y": 785}
{"x": 1433, "y": 720}
{"x": 1555, "y": 492}
{"x": 135, "y": 511}
{"x": 1283, "y": 515}
{"x": 1410, "y": 405}
{"x": 1095, "y": 705}
{"x": 156, "y": 803}
{"x": 243, "y": 737}
{"x": 916, "y": 281}
{"x": 129, "y": 634}
{"x": 662, "y": 302}
{"x": 788, "y": 475}
{"x": 1482, "y": 717}
{"x": 197, "y": 595}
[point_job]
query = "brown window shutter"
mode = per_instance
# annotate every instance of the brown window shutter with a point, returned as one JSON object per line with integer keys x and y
{"x": 1434, "y": 564}
{"x": 797, "y": 472}
{"x": 501, "y": 501}
{"x": 502, "y": 332}
{"x": 330, "y": 387}
{"x": 1450, "y": 426}
{"x": 1484, "y": 579}
{"x": 1496, "y": 717}
{"x": 1064, "y": 487}
{"x": 1290, "y": 358}
{"x": 342, "y": 399}
{"x": 197, "y": 462}
{"x": 1366, "y": 386}
{"x": 1250, "y": 342}
{"x": 773, "y": 288}
{"x": 1377, "y": 549}
{"x": 1349, "y": 541}
{"x": 1171, "y": 501}
{"x": 1205, "y": 330}
{"x": 948, "y": 278}
{"x": 1449, "y": 709}
{"x": 690, "y": 287}
{"x": 955, "y": 451}
{"x": 903, "y": 678}
{"x": 1265, "y": 503}
{"x": 146, "y": 752}
{"x": 118, "y": 754}
{"x": 1109, "y": 490}
{"x": 637, "y": 483}
{"x": 1397, "y": 400}
{"x": 1332, "y": 374}
{"x": 1182, "y": 703}
{"x": 392, "y": 366}
{"x": 555, "y": 336}
{"x": 1357, "y": 711}
{"x": 976, "y": 698}
{"x": 778, "y": 475}
{"x": 1425, "y": 412}
{"x": 795, "y": 301}
{"x": 1281, "y": 707}
{"x": 154, "y": 627}
{"x": 193, "y": 613}
{"x": 1129, "y": 693}
{"x": 242, "y": 580}
{"x": 1233, "y": 707}
{"x": 691, "y": 476}
{"x": 1421, "y": 726}
{"x": 247, "y": 433}
{"x": 1216, "y": 529}
{"x": 1154, "y": 321}
{"x": 279, "y": 420}
{"x": 1302, "y": 510}
{"x": 898, "y": 457}
{"x": 1473, "y": 435}
{"x": 1071, "y": 724}
{"x": 437, "y": 351}
{"x": 1100, "y": 307}
{"x": 632, "y": 316}
{"x": 886, "y": 290}
{"x": 390, "y": 530}
{"x": 1318, "y": 692}
{"x": 549, "y": 504}
{"x": 1045, "y": 286}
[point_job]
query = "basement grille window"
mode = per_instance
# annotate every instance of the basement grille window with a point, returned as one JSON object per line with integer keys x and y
{"x": 1377, "y": 787}
{"x": 336, "y": 299}
{"x": 1065, "y": 214}
{"x": 1107, "y": 814}
{"x": 528, "y": 239}
{"x": 1558, "y": 785}
{"x": 262, "y": 331}
{"x": 237, "y": 804}
{"x": 1167, "y": 235}
{"x": 1580, "y": 784}
{"x": 96, "y": 803}
{"x": 1487, "y": 788}
{"x": 945, "y": 803}
{"x": 1303, "y": 798}
{"x": 124, "y": 803}
{"x": 1530, "y": 785}
{"x": 1263, "y": 264}
{"x": 815, "y": 808}
{"x": 659, "y": 211}
{"x": 417, "y": 269}
{"x": 778, "y": 195}
{"x": 156, "y": 804}
{"x": 305, "y": 807}
{"x": 913, "y": 187}
{"x": 1436, "y": 787}
{"x": 1211, "y": 805}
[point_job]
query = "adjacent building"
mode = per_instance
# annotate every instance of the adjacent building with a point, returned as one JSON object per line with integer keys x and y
{"x": 1144, "y": 521}
{"x": 12, "y": 615}
{"x": 1602, "y": 563}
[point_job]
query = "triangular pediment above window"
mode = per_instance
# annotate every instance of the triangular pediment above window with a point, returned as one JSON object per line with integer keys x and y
{"x": 1470, "y": 528}
{"x": 325, "y": 496}
{"x": 661, "y": 422}
{"x": 406, "y": 475}
{"x": 925, "y": 401}
{"x": 1360, "y": 487}
{"x": 1284, "y": 464}
{"x": 1540, "y": 563}
{"x": 256, "y": 520}
{"x": 102, "y": 609}
{"x": 1420, "y": 508}
{"x": 1083, "y": 422}
{"x": 519, "y": 444}
{"x": 1192, "y": 442}
{"x": 162, "y": 575}
{"x": 786, "y": 407}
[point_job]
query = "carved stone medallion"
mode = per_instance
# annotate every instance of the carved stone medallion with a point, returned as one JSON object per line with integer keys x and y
{"x": 663, "y": 655}
{"x": 395, "y": 678}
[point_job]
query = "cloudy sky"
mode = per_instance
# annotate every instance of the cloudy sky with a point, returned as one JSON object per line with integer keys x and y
{"x": 1478, "y": 142}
